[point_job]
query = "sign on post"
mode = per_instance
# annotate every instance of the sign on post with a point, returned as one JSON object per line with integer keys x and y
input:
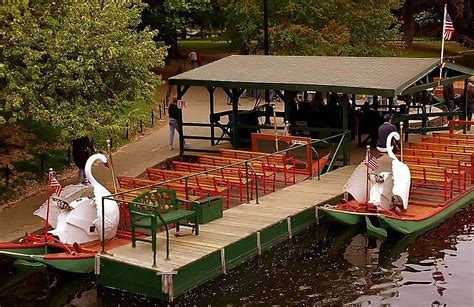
{"x": 182, "y": 104}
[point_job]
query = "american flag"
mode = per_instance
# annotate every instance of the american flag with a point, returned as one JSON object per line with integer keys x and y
{"x": 55, "y": 185}
{"x": 448, "y": 28}
{"x": 373, "y": 162}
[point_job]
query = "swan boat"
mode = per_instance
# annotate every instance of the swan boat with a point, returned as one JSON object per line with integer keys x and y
{"x": 390, "y": 196}
{"x": 74, "y": 223}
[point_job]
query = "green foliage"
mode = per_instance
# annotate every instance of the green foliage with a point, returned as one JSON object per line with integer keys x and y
{"x": 316, "y": 27}
{"x": 79, "y": 65}
{"x": 243, "y": 24}
{"x": 171, "y": 16}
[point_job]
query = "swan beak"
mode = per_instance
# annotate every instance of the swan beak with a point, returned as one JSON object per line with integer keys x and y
{"x": 107, "y": 164}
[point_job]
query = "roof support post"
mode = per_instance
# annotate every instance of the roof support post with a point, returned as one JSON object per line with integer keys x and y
{"x": 345, "y": 128}
{"x": 376, "y": 102}
{"x": 465, "y": 105}
{"x": 234, "y": 98}
{"x": 181, "y": 90}
{"x": 288, "y": 99}
{"x": 423, "y": 120}
{"x": 353, "y": 115}
{"x": 211, "y": 90}
{"x": 390, "y": 105}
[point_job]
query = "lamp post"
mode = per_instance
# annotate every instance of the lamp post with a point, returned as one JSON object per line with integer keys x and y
{"x": 265, "y": 51}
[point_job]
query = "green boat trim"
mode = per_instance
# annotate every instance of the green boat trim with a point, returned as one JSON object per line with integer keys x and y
{"x": 411, "y": 226}
{"x": 345, "y": 217}
{"x": 81, "y": 265}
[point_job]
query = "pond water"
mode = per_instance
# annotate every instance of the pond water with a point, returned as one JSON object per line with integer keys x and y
{"x": 325, "y": 265}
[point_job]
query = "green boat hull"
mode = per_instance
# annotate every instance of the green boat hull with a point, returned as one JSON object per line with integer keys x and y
{"x": 37, "y": 255}
{"x": 374, "y": 231}
{"x": 408, "y": 227}
{"x": 346, "y": 218}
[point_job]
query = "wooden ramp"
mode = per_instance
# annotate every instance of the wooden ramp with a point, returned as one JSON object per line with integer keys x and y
{"x": 243, "y": 232}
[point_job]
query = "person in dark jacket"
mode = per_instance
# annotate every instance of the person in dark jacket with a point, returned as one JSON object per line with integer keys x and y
{"x": 175, "y": 119}
{"x": 384, "y": 130}
{"x": 470, "y": 101}
{"x": 448, "y": 95}
{"x": 81, "y": 150}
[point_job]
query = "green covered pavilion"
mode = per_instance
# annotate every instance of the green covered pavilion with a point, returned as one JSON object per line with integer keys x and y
{"x": 387, "y": 77}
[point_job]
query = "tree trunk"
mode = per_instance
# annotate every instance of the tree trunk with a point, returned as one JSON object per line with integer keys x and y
{"x": 408, "y": 22}
{"x": 172, "y": 42}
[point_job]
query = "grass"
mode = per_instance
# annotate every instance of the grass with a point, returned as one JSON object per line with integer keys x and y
{"x": 208, "y": 46}
{"x": 432, "y": 50}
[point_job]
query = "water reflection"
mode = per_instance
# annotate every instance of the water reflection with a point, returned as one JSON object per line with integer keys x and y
{"x": 326, "y": 265}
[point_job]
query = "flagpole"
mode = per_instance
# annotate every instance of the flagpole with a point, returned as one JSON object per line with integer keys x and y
{"x": 109, "y": 147}
{"x": 401, "y": 142}
{"x": 367, "y": 177}
{"x": 442, "y": 45}
{"x": 46, "y": 225}
{"x": 275, "y": 127}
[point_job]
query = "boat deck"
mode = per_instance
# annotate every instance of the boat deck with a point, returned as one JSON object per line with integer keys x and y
{"x": 242, "y": 233}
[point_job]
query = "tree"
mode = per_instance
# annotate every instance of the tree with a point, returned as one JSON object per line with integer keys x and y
{"x": 317, "y": 27}
{"x": 460, "y": 11}
{"x": 172, "y": 16}
{"x": 81, "y": 66}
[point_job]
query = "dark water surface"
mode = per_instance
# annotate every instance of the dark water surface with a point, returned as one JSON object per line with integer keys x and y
{"x": 325, "y": 265}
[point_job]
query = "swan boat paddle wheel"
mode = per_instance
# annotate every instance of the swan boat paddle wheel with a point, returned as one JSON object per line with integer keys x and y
{"x": 431, "y": 181}
{"x": 73, "y": 226}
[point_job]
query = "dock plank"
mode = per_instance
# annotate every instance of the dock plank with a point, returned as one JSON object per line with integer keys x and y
{"x": 237, "y": 223}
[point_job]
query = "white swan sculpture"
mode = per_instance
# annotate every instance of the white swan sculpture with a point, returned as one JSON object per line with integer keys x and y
{"x": 79, "y": 220}
{"x": 389, "y": 183}
{"x": 400, "y": 173}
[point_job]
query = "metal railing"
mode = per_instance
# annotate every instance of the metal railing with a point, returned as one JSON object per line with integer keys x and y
{"x": 246, "y": 164}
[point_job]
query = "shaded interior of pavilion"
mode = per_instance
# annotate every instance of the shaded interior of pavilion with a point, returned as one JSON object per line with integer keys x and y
{"x": 322, "y": 96}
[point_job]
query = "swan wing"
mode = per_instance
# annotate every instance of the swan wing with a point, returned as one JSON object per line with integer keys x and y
{"x": 401, "y": 181}
{"x": 357, "y": 183}
{"x": 386, "y": 197}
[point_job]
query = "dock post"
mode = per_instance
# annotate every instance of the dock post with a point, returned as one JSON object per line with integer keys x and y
{"x": 247, "y": 180}
{"x": 288, "y": 220}
{"x": 259, "y": 244}
{"x": 316, "y": 214}
{"x": 223, "y": 264}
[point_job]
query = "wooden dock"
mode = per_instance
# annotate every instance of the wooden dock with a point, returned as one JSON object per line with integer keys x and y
{"x": 243, "y": 232}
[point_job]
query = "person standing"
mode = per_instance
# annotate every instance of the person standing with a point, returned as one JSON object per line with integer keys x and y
{"x": 448, "y": 95}
{"x": 175, "y": 119}
{"x": 470, "y": 101}
{"x": 193, "y": 59}
{"x": 82, "y": 149}
{"x": 384, "y": 130}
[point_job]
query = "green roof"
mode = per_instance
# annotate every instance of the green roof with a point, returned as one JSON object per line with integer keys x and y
{"x": 359, "y": 75}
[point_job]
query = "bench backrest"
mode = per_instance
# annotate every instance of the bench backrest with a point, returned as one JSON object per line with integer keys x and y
{"x": 454, "y": 136}
{"x": 125, "y": 182}
{"x": 440, "y": 140}
{"x": 438, "y": 154}
{"x": 442, "y": 147}
{"x": 160, "y": 200}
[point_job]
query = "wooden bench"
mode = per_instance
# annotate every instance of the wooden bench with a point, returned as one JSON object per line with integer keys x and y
{"x": 448, "y": 141}
{"x": 129, "y": 183}
{"x": 231, "y": 177}
{"x": 458, "y": 166}
{"x": 276, "y": 162}
{"x": 424, "y": 176}
{"x": 454, "y": 136}
{"x": 441, "y": 147}
{"x": 263, "y": 174}
{"x": 159, "y": 208}
{"x": 211, "y": 185}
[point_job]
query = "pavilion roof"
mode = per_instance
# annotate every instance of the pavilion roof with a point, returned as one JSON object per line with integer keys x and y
{"x": 384, "y": 76}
